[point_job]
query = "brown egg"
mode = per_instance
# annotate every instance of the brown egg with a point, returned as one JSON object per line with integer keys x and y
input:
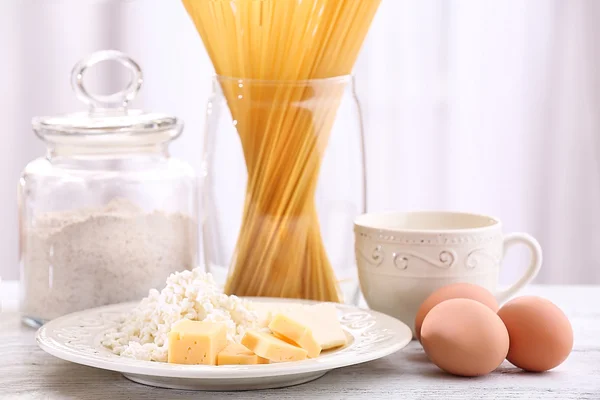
{"x": 541, "y": 336}
{"x": 464, "y": 337}
{"x": 454, "y": 291}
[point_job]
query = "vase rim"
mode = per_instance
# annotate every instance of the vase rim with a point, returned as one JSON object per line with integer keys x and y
{"x": 300, "y": 82}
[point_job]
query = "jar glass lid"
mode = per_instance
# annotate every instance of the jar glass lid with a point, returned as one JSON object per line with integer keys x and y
{"x": 109, "y": 120}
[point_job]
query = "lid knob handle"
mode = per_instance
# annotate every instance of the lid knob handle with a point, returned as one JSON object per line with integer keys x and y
{"x": 118, "y": 100}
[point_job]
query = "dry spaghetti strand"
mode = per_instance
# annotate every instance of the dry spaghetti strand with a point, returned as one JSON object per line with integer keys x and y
{"x": 278, "y": 55}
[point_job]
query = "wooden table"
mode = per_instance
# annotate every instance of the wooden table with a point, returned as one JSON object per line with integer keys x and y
{"x": 29, "y": 373}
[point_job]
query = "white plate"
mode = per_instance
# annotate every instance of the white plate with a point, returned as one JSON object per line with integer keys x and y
{"x": 76, "y": 338}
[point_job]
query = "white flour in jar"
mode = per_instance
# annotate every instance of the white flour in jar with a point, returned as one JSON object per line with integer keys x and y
{"x": 87, "y": 258}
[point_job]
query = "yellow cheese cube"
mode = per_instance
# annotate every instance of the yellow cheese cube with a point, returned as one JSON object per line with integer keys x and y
{"x": 285, "y": 326}
{"x": 237, "y": 354}
{"x": 268, "y": 346}
{"x": 196, "y": 342}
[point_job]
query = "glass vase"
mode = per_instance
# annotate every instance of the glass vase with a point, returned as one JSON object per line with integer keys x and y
{"x": 284, "y": 178}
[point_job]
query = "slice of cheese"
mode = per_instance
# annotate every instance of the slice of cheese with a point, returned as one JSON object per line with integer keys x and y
{"x": 268, "y": 346}
{"x": 196, "y": 342}
{"x": 286, "y": 327}
{"x": 322, "y": 320}
{"x": 237, "y": 354}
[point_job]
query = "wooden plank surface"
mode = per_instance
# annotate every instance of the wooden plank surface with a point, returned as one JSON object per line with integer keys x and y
{"x": 26, "y": 372}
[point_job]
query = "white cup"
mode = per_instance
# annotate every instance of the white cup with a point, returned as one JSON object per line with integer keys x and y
{"x": 403, "y": 257}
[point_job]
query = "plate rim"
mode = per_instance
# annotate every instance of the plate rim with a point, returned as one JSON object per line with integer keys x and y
{"x": 402, "y": 333}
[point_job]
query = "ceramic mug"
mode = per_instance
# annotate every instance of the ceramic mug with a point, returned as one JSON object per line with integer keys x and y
{"x": 403, "y": 257}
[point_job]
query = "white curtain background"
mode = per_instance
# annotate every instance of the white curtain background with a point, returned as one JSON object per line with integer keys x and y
{"x": 488, "y": 106}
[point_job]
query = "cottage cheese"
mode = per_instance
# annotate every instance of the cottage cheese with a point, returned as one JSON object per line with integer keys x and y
{"x": 142, "y": 334}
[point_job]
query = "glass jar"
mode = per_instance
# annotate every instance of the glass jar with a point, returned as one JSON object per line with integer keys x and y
{"x": 284, "y": 178}
{"x": 107, "y": 214}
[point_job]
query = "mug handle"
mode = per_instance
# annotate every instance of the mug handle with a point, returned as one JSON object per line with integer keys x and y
{"x": 534, "y": 267}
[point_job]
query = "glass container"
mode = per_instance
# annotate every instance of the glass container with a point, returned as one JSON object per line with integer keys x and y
{"x": 273, "y": 205}
{"x": 106, "y": 214}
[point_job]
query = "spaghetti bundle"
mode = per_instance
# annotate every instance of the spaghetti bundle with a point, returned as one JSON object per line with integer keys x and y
{"x": 281, "y": 65}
